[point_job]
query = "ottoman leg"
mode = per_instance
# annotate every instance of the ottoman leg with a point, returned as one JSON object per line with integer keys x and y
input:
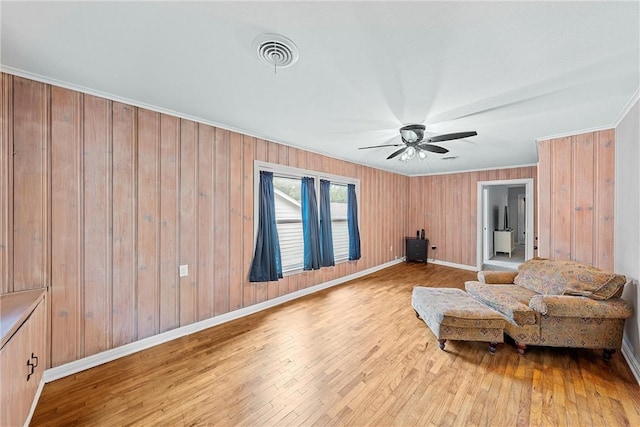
{"x": 520, "y": 348}
{"x": 492, "y": 347}
{"x": 441, "y": 343}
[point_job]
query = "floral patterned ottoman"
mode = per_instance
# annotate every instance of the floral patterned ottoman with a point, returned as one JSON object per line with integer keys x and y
{"x": 453, "y": 314}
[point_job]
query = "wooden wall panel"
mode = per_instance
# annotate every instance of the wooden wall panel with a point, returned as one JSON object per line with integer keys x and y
{"x": 148, "y": 223}
{"x": 221, "y": 225}
{"x": 605, "y": 197}
{"x": 448, "y": 211}
{"x": 96, "y": 244}
{"x": 6, "y": 183}
{"x": 188, "y": 220}
{"x": 236, "y": 223}
{"x": 206, "y": 221}
{"x": 248, "y": 154}
{"x": 169, "y": 221}
{"x": 124, "y": 323}
{"x": 31, "y": 165}
{"x": 583, "y": 203}
{"x": 66, "y": 297}
{"x": 134, "y": 194}
{"x": 576, "y": 190}
{"x": 561, "y": 194}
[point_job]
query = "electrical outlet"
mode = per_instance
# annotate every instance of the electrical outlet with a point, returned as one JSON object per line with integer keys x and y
{"x": 184, "y": 270}
{"x": 390, "y": 248}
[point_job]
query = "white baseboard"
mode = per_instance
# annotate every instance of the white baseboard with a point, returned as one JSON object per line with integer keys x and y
{"x": 454, "y": 265}
{"x": 76, "y": 366}
{"x": 633, "y": 363}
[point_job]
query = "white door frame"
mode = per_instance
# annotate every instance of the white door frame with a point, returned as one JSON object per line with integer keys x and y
{"x": 482, "y": 185}
{"x": 522, "y": 201}
{"x": 485, "y": 218}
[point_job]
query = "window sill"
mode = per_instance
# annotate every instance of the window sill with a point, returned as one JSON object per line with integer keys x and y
{"x": 301, "y": 270}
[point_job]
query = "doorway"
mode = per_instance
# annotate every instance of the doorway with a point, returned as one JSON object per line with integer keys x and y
{"x": 505, "y": 223}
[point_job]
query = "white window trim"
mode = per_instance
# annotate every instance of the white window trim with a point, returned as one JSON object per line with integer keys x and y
{"x": 292, "y": 172}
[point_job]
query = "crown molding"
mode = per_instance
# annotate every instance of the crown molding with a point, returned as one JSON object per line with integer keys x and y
{"x": 111, "y": 97}
{"x": 629, "y": 105}
{"x": 492, "y": 168}
{"x": 634, "y": 99}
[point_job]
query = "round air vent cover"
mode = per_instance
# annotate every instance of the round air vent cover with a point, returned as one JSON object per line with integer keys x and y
{"x": 276, "y": 50}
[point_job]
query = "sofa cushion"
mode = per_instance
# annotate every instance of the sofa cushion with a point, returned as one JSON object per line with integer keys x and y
{"x": 571, "y": 306}
{"x": 510, "y": 300}
{"x": 566, "y": 277}
{"x": 497, "y": 277}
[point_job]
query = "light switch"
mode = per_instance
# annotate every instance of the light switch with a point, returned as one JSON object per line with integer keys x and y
{"x": 184, "y": 270}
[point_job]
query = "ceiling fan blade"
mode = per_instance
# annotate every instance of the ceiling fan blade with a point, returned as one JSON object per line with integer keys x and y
{"x": 433, "y": 148}
{"x": 378, "y": 146}
{"x": 450, "y": 136}
{"x": 396, "y": 153}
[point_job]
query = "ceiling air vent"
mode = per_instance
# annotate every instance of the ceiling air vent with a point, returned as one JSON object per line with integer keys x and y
{"x": 276, "y": 51}
{"x": 450, "y": 158}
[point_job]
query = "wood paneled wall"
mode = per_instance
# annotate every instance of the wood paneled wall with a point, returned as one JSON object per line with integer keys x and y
{"x": 102, "y": 201}
{"x": 577, "y": 190}
{"x": 6, "y": 186}
{"x": 446, "y": 206}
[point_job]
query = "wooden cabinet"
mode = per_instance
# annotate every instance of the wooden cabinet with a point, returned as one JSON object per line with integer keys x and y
{"x": 417, "y": 249}
{"x": 23, "y": 350}
{"x": 504, "y": 241}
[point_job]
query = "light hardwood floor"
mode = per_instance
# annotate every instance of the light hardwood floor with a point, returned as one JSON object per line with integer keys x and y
{"x": 351, "y": 355}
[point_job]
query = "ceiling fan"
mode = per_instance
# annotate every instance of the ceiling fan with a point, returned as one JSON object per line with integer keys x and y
{"x": 416, "y": 144}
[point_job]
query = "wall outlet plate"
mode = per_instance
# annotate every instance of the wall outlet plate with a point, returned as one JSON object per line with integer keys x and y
{"x": 184, "y": 270}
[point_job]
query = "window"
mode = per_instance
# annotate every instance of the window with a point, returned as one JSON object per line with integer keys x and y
{"x": 289, "y": 221}
{"x": 339, "y": 229}
{"x": 288, "y": 208}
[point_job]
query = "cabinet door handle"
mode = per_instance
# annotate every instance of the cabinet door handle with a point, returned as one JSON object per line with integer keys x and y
{"x": 31, "y": 366}
{"x": 31, "y": 369}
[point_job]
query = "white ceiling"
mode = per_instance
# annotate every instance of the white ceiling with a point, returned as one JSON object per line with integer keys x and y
{"x": 512, "y": 71}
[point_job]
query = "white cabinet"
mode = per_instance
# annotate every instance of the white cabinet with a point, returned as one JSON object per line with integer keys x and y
{"x": 23, "y": 356}
{"x": 504, "y": 241}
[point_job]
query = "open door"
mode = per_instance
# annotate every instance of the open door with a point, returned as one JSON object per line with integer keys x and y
{"x": 491, "y": 205}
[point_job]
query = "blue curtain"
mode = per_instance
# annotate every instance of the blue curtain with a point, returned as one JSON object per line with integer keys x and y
{"x": 352, "y": 223}
{"x": 266, "y": 265}
{"x": 310, "y": 226}
{"x": 326, "y": 237}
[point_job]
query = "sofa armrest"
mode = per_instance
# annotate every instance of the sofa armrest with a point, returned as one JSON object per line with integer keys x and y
{"x": 497, "y": 277}
{"x": 582, "y": 307}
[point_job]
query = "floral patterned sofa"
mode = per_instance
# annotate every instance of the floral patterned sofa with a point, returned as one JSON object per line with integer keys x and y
{"x": 557, "y": 303}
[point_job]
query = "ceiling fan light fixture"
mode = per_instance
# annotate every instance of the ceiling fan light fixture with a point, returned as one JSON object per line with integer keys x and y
{"x": 411, "y": 152}
{"x": 416, "y": 145}
{"x": 412, "y": 133}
